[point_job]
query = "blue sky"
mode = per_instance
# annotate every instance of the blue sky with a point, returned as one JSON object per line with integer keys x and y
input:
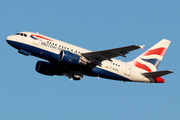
{"x": 94, "y": 25}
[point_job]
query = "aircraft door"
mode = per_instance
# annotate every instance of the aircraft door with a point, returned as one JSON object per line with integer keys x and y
{"x": 128, "y": 70}
{"x": 36, "y": 41}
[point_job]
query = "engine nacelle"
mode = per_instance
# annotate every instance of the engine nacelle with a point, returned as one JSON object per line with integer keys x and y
{"x": 47, "y": 68}
{"x": 70, "y": 58}
{"x": 44, "y": 68}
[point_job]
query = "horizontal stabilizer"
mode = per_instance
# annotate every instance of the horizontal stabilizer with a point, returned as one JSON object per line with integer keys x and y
{"x": 157, "y": 74}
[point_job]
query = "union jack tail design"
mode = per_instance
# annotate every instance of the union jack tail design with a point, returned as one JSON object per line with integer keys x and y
{"x": 151, "y": 58}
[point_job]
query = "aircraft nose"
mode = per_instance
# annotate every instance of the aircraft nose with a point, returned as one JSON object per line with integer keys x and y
{"x": 10, "y": 40}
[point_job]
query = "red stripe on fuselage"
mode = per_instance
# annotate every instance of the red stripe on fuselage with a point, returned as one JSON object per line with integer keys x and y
{"x": 42, "y": 37}
{"x": 142, "y": 66}
{"x": 159, "y": 51}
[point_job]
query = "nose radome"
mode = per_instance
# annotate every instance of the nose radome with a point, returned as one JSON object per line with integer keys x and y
{"x": 9, "y": 39}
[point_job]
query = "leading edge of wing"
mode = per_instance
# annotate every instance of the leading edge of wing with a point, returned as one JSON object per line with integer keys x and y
{"x": 111, "y": 53}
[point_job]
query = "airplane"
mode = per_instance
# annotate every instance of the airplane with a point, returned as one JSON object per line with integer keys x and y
{"x": 74, "y": 62}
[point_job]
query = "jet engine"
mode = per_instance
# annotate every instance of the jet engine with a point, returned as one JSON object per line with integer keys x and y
{"x": 70, "y": 58}
{"x": 44, "y": 68}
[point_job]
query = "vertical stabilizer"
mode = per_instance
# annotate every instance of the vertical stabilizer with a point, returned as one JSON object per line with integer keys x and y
{"x": 151, "y": 58}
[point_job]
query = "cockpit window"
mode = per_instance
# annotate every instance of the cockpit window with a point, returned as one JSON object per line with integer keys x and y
{"x": 25, "y": 35}
{"x": 17, "y": 33}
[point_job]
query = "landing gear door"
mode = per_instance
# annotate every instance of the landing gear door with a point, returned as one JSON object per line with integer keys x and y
{"x": 128, "y": 70}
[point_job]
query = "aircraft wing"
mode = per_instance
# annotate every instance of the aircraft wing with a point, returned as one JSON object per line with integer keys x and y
{"x": 98, "y": 56}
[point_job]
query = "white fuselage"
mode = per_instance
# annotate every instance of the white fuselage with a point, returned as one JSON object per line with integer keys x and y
{"x": 126, "y": 70}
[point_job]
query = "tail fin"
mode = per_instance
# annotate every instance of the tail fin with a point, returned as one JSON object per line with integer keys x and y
{"x": 151, "y": 58}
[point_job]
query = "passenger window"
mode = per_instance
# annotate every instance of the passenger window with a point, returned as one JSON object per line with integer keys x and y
{"x": 25, "y": 35}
